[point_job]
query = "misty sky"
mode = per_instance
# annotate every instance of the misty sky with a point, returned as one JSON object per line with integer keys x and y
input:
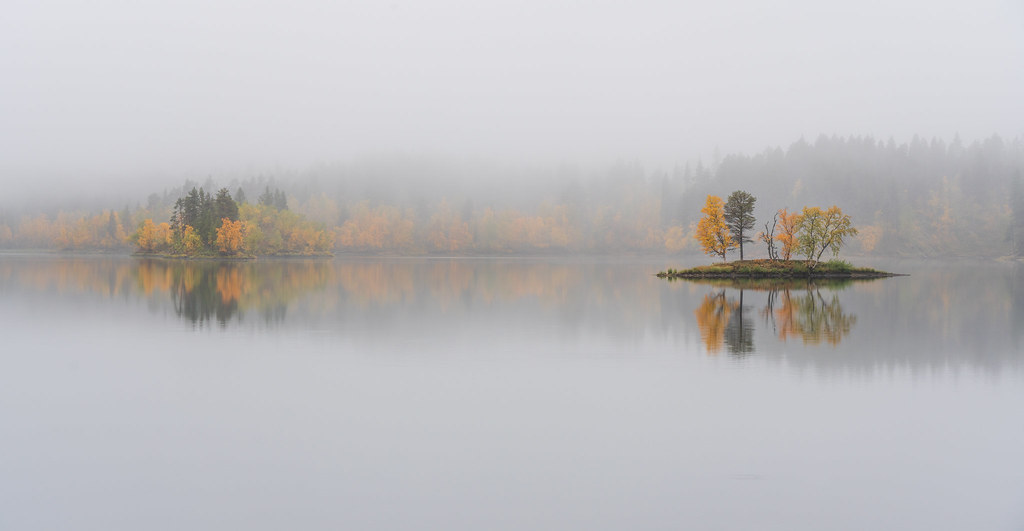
{"x": 102, "y": 88}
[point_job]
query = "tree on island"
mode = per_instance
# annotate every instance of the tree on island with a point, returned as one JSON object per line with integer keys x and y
{"x": 787, "y": 226}
{"x": 823, "y": 229}
{"x": 712, "y": 231}
{"x": 739, "y": 216}
{"x": 768, "y": 237}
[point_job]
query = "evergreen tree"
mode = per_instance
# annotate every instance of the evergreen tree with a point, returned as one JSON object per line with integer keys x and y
{"x": 240, "y": 196}
{"x": 206, "y": 222}
{"x": 266, "y": 198}
{"x": 739, "y": 216}
{"x": 224, "y": 206}
{"x": 190, "y": 208}
{"x": 274, "y": 198}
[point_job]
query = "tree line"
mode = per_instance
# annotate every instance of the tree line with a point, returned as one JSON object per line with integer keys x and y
{"x": 205, "y": 225}
{"x": 920, "y": 198}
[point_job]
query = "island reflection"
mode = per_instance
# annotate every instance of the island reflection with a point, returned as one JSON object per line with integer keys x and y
{"x": 568, "y": 307}
{"x": 793, "y": 309}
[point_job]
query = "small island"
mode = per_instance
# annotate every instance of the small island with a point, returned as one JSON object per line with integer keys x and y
{"x": 813, "y": 231}
{"x": 206, "y": 227}
{"x": 833, "y": 269}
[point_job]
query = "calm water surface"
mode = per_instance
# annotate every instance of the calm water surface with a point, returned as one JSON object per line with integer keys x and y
{"x": 505, "y": 394}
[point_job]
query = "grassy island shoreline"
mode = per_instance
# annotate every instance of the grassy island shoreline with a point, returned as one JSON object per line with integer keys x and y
{"x": 777, "y": 269}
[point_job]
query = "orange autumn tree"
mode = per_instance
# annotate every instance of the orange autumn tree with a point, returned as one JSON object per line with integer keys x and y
{"x": 789, "y": 224}
{"x": 712, "y": 231}
{"x": 230, "y": 236}
{"x": 147, "y": 236}
{"x": 153, "y": 237}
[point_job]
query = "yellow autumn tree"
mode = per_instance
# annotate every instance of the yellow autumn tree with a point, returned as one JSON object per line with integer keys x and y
{"x": 147, "y": 236}
{"x": 712, "y": 231}
{"x": 821, "y": 230}
{"x": 789, "y": 224}
{"x": 164, "y": 236}
{"x": 190, "y": 240}
{"x": 230, "y": 236}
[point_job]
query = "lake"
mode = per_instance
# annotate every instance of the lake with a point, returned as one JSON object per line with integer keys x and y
{"x": 408, "y": 393}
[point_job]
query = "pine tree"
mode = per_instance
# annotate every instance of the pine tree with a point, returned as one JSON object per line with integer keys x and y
{"x": 739, "y": 216}
{"x": 224, "y": 206}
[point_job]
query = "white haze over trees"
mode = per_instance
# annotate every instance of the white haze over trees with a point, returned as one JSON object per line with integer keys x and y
{"x": 133, "y": 97}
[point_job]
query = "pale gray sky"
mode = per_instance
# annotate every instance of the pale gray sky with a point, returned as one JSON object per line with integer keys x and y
{"x": 121, "y": 88}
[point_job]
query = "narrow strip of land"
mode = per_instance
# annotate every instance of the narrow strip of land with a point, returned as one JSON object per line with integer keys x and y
{"x": 777, "y": 269}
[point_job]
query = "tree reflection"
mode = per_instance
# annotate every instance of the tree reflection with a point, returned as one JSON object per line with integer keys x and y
{"x": 722, "y": 320}
{"x": 739, "y": 333}
{"x": 794, "y": 309}
{"x": 204, "y": 292}
{"x": 712, "y": 318}
{"x": 810, "y": 317}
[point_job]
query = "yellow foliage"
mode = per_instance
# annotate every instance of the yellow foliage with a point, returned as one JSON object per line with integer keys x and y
{"x": 190, "y": 239}
{"x": 230, "y": 236}
{"x": 823, "y": 229}
{"x": 147, "y": 236}
{"x": 712, "y": 232}
{"x": 789, "y": 224}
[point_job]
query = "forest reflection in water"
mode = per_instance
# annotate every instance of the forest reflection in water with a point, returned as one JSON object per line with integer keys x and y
{"x": 942, "y": 315}
{"x": 205, "y": 292}
{"x": 794, "y": 309}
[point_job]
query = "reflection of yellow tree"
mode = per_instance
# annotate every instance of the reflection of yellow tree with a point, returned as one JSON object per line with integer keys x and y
{"x": 230, "y": 283}
{"x": 712, "y": 318}
{"x": 810, "y": 317}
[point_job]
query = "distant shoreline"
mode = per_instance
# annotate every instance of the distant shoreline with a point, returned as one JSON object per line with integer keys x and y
{"x": 247, "y": 258}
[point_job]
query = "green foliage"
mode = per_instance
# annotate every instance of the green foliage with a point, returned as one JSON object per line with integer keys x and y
{"x": 822, "y": 230}
{"x": 270, "y": 231}
{"x": 838, "y": 266}
{"x": 224, "y": 206}
{"x": 203, "y": 213}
